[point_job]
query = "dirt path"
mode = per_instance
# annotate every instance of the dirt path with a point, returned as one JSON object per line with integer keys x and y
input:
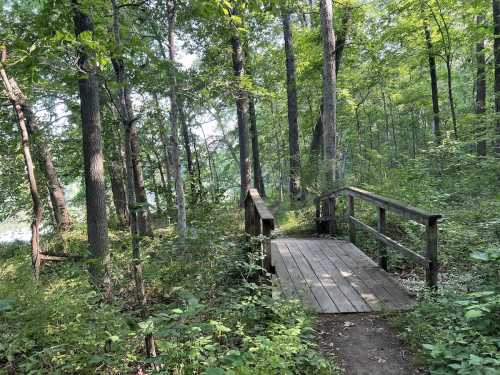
{"x": 364, "y": 344}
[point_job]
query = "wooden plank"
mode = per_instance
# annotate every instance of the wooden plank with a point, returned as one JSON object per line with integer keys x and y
{"x": 301, "y": 286}
{"x": 345, "y": 298}
{"x": 284, "y": 277}
{"x": 386, "y": 289}
{"x": 390, "y": 242}
{"x": 356, "y": 283}
{"x": 431, "y": 252}
{"x": 317, "y": 288}
{"x": 260, "y": 206}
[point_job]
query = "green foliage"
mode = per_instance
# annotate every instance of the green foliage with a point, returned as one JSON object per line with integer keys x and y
{"x": 206, "y": 315}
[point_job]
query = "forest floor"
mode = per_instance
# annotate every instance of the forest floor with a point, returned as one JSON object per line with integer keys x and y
{"x": 364, "y": 344}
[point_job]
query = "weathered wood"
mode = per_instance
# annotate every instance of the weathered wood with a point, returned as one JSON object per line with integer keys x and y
{"x": 317, "y": 288}
{"x": 350, "y": 213}
{"x": 390, "y": 242}
{"x": 300, "y": 284}
{"x": 396, "y": 206}
{"x": 382, "y": 251}
{"x": 267, "y": 227}
{"x": 431, "y": 253}
{"x": 332, "y": 229}
{"x": 282, "y": 274}
{"x": 260, "y": 206}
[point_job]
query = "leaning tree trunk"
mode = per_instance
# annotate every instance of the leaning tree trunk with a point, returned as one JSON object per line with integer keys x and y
{"x": 291, "y": 89}
{"x": 242, "y": 112}
{"x": 329, "y": 90}
{"x": 45, "y": 161}
{"x": 434, "y": 86}
{"x": 496, "y": 53}
{"x": 480, "y": 91}
{"x": 36, "y": 252}
{"x": 179, "y": 183}
{"x": 95, "y": 189}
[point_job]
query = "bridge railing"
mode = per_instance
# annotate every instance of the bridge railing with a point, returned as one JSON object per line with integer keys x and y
{"x": 259, "y": 221}
{"x": 326, "y": 223}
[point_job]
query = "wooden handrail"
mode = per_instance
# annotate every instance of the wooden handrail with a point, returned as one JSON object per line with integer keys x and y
{"x": 383, "y": 204}
{"x": 259, "y": 220}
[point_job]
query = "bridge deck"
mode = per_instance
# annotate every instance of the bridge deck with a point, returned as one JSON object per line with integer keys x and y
{"x": 333, "y": 276}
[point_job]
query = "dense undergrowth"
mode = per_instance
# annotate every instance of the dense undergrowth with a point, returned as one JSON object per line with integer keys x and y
{"x": 457, "y": 329}
{"x": 208, "y": 313}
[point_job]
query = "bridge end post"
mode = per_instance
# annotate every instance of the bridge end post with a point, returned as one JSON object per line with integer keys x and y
{"x": 350, "y": 222}
{"x": 382, "y": 249}
{"x": 431, "y": 239}
{"x": 332, "y": 227}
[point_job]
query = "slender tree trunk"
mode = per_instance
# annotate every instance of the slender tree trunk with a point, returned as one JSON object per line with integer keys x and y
{"x": 450, "y": 97}
{"x": 434, "y": 86}
{"x": 128, "y": 121}
{"x": 254, "y": 135}
{"x": 137, "y": 230}
{"x": 293, "y": 126}
{"x": 156, "y": 190}
{"x": 329, "y": 89}
{"x": 241, "y": 109}
{"x": 95, "y": 190}
{"x": 36, "y": 252}
{"x": 119, "y": 193}
{"x": 480, "y": 90}
{"x": 179, "y": 183}
{"x": 496, "y": 53}
{"x": 187, "y": 149}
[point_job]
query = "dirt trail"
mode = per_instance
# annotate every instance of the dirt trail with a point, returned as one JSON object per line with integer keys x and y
{"x": 364, "y": 344}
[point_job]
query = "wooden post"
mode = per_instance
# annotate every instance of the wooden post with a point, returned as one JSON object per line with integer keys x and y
{"x": 317, "y": 202}
{"x": 382, "y": 249}
{"x": 267, "y": 227}
{"x": 350, "y": 223}
{"x": 331, "y": 212}
{"x": 431, "y": 238}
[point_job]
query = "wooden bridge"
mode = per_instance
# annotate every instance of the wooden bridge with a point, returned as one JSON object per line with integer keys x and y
{"x": 334, "y": 276}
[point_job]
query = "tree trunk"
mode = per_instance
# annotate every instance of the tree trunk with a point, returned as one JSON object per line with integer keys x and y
{"x": 119, "y": 193}
{"x": 258, "y": 180}
{"x": 450, "y": 97}
{"x": 293, "y": 127}
{"x": 137, "y": 217}
{"x": 434, "y": 86}
{"x": 329, "y": 89}
{"x": 480, "y": 90}
{"x": 36, "y": 253}
{"x": 95, "y": 190}
{"x": 241, "y": 109}
{"x": 496, "y": 53}
{"x": 44, "y": 157}
{"x": 179, "y": 183}
{"x": 128, "y": 121}
{"x": 187, "y": 149}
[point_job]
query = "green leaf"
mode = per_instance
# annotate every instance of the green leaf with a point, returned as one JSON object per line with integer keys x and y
{"x": 214, "y": 371}
{"x": 471, "y": 314}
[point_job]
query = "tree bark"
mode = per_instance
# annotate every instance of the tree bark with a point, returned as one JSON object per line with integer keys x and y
{"x": 36, "y": 253}
{"x": 258, "y": 180}
{"x": 480, "y": 107}
{"x": 119, "y": 193}
{"x": 179, "y": 183}
{"x": 434, "y": 86}
{"x": 95, "y": 193}
{"x": 137, "y": 216}
{"x": 329, "y": 90}
{"x": 43, "y": 155}
{"x": 187, "y": 149}
{"x": 496, "y": 53}
{"x": 293, "y": 126}
{"x": 241, "y": 109}
{"x": 128, "y": 120}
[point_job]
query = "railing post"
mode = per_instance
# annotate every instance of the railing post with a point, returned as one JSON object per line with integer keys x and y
{"x": 431, "y": 238}
{"x": 332, "y": 229}
{"x": 317, "y": 202}
{"x": 350, "y": 223}
{"x": 267, "y": 227}
{"x": 382, "y": 249}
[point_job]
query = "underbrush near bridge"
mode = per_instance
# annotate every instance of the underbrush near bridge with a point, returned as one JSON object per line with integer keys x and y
{"x": 209, "y": 313}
